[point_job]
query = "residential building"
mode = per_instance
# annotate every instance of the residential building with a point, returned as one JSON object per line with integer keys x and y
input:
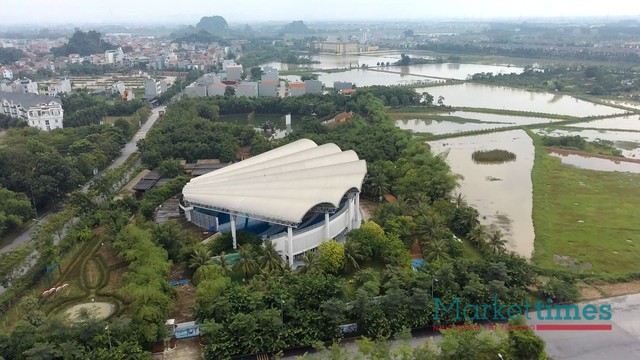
{"x": 153, "y": 88}
{"x": 297, "y": 89}
{"x": 226, "y": 63}
{"x": 248, "y": 89}
{"x": 234, "y": 72}
{"x": 114, "y": 57}
{"x": 216, "y": 89}
{"x": 43, "y": 112}
{"x": 267, "y": 88}
{"x": 61, "y": 86}
{"x": 5, "y": 86}
{"x": 25, "y": 86}
{"x": 342, "y": 85}
{"x": 270, "y": 73}
{"x": 313, "y": 86}
{"x": 7, "y": 73}
{"x": 118, "y": 87}
{"x": 196, "y": 89}
{"x": 336, "y": 47}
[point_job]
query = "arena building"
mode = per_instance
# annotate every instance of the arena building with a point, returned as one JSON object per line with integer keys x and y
{"x": 296, "y": 196}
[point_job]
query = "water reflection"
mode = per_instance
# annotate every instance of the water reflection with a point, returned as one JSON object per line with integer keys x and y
{"x": 595, "y": 163}
{"x": 629, "y": 122}
{"x": 502, "y": 193}
{"x": 497, "y": 97}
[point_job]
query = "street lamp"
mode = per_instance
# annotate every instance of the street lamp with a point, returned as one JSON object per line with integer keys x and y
{"x": 432, "y": 283}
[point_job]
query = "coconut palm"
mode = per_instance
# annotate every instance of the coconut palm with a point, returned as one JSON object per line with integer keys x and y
{"x": 459, "y": 200}
{"x": 222, "y": 261}
{"x": 309, "y": 261}
{"x": 378, "y": 184}
{"x": 496, "y": 243}
{"x": 350, "y": 256}
{"x": 478, "y": 236}
{"x": 437, "y": 250}
{"x": 246, "y": 264}
{"x": 270, "y": 259}
{"x": 201, "y": 256}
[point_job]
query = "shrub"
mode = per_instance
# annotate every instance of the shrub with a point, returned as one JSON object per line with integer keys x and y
{"x": 493, "y": 156}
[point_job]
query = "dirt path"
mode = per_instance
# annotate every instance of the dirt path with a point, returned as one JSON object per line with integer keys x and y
{"x": 586, "y": 154}
{"x": 601, "y": 290}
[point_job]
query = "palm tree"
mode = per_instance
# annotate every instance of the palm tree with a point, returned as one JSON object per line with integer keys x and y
{"x": 222, "y": 261}
{"x": 459, "y": 200}
{"x": 478, "y": 236}
{"x": 270, "y": 258}
{"x": 201, "y": 256}
{"x": 437, "y": 250}
{"x": 496, "y": 243}
{"x": 378, "y": 184}
{"x": 350, "y": 256}
{"x": 247, "y": 263}
{"x": 309, "y": 260}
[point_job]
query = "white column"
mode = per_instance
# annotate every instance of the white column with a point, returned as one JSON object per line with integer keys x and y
{"x": 233, "y": 231}
{"x": 350, "y": 213}
{"x": 358, "y": 220}
{"x": 217, "y": 224}
{"x": 290, "y": 240}
{"x": 327, "y": 234}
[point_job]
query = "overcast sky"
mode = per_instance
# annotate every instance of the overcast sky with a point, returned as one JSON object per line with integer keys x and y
{"x": 241, "y": 11}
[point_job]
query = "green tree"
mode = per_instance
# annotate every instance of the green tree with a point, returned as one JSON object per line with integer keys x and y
{"x": 331, "y": 256}
{"x": 200, "y": 257}
{"x": 496, "y": 243}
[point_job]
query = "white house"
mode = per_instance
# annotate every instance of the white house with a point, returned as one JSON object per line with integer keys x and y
{"x": 234, "y": 72}
{"x": 57, "y": 87}
{"x": 153, "y": 88}
{"x": 43, "y": 112}
{"x": 7, "y": 73}
{"x": 25, "y": 86}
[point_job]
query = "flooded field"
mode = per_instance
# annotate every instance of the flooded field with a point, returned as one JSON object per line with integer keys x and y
{"x": 361, "y": 77}
{"x": 595, "y": 163}
{"x": 626, "y": 141}
{"x": 502, "y": 193}
{"x": 479, "y": 121}
{"x": 505, "y": 98}
{"x": 628, "y": 122}
{"x": 440, "y": 127}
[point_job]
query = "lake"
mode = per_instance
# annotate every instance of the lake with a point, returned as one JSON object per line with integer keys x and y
{"x": 502, "y": 193}
{"x": 499, "y": 97}
{"x": 594, "y": 163}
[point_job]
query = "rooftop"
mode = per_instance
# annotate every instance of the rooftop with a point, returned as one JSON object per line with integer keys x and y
{"x": 282, "y": 185}
{"x": 28, "y": 99}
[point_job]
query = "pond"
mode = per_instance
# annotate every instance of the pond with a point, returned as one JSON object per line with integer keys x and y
{"x": 627, "y": 122}
{"x": 498, "y": 97}
{"x": 596, "y": 163}
{"x": 502, "y": 193}
{"x": 626, "y": 141}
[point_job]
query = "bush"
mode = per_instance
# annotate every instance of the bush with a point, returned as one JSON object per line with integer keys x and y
{"x": 560, "y": 290}
{"x": 493, "y": 156}
{"x": 331, "y": 256}
{"x": 225, "y": 242}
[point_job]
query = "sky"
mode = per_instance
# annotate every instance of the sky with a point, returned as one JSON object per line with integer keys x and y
{"x": 44, "y": 12}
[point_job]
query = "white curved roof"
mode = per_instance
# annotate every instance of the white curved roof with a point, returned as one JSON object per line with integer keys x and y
{"x": 281, "y": 185}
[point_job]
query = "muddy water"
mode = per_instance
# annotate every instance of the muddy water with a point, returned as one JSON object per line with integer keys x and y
{"x": 361, "y": 77}
{"x": 629, "y": 122}
{"x": 502, "y": 193}
{"x": 498, "y": 97}
{"x": 594, "y": 163}
{"x": 626, "y": 141}
{"x": 439, "y": 127}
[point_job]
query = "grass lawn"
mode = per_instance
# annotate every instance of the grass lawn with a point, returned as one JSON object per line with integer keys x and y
{"x": 590, "y": 216}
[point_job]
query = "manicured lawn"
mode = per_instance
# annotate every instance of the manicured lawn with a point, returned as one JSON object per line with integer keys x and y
{"x": 590, "y": 216}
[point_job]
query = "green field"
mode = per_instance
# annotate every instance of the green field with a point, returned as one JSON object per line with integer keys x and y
{"x": 590, "y": 216}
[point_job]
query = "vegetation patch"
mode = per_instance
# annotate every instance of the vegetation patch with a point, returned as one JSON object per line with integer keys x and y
{"x": 600, "y": 229}
{"x": 493, "y": 156}
{"x": 576, "y": 142}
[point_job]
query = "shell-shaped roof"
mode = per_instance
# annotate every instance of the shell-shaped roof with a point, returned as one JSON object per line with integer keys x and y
{"x": 281, "y": 185}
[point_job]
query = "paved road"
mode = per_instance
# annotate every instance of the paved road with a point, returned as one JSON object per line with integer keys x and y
{"x": 622, "y": 342}
{"x": 127, "y": 150}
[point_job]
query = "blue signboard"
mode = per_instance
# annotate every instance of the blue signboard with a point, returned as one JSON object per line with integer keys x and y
{"x": 187, "y": 330}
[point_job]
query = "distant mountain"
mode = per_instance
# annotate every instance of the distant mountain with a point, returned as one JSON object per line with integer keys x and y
{"x": 83, "y": 43}
{"x": 296, "y": 27}
{"x": 201, "y": 36}
{"x": 215, "y": 25}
